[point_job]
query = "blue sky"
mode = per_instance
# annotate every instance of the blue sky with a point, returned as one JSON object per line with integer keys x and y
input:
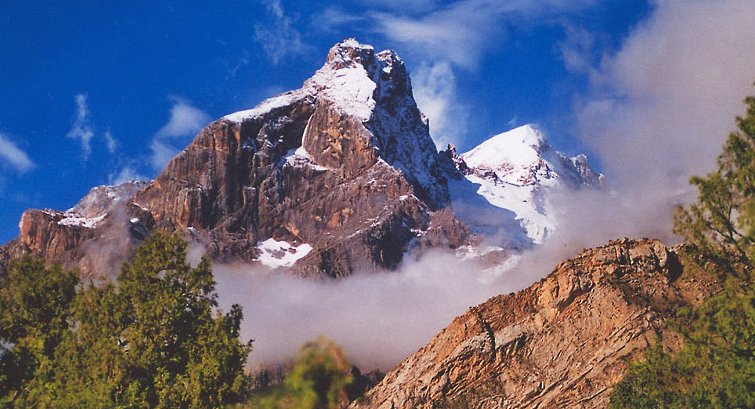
{"x": 94, "y": 92}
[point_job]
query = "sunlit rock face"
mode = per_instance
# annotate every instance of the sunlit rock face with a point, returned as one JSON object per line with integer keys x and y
{"x": 563, "y": 342}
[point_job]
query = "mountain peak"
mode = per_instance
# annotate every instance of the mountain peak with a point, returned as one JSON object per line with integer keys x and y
{"x": 513, "y": 170}
{"x": 350, "y": 52}
{"x": 519, "y": 146}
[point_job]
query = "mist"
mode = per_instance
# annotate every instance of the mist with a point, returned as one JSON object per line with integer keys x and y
{"x": 381, "y": 318}
{"x": 660, "y": 108}
{"x": 378, "y": 319}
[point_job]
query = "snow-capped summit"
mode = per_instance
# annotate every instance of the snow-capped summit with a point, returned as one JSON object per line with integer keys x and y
{"x": 513, "y": 157}
{"x": 514, "y": 171}
{"x": 373, "y": 89}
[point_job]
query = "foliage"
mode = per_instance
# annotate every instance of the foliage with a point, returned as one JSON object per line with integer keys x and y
{"x": 152, "y": 340}
{"x": 319, "y": 380}
{"x": 714, "y": 369}
{"x": 35, "y": 306}
{"x": 721, "y": 223}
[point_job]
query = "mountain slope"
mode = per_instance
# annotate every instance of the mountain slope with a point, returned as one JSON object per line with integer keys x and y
{"x": 563, "y": 342}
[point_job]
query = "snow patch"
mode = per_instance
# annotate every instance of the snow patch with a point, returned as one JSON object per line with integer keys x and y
{"x": 268, "y": 105}
{"x": 300, "y": 157}
{"x": 276, "y": 253}
{"x": 75, "y": 219}
{"x": 514, "y": 171}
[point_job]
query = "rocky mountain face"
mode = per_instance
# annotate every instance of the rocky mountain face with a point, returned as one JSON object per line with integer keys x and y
{"x": 93, "y": 236}
{"x": 563, "y": 342}
{"x": 338, "y": 176}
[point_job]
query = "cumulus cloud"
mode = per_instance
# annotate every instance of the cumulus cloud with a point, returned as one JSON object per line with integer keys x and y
{"x": 663, "y": 105}
{"x": 13, "y": 156}
{"x": 434, "y": 88}
{"x": 82, "y": 128}
{"x": 280, "y": 37}
{"x": 184, "y": 122}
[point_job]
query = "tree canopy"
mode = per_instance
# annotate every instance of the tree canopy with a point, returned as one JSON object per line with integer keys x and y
{"x": 320, "y": 379}
{"x": 153, "y": 339}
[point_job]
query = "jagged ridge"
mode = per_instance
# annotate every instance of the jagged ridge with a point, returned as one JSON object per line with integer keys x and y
{"x": 563, "y": 342}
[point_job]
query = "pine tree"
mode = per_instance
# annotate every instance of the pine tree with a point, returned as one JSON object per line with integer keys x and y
{"x": 716, "y": 366}
{"x": 35, "y": 303}
{"x": 154, "y": 339}
{"x": 720, "y": 224}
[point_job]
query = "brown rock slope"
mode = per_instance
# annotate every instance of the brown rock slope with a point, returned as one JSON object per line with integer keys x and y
{"x": 563, "y": 342}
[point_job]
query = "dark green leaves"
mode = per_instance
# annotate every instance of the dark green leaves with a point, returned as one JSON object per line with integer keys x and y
{"x": 154, "y": 339}
{"x": 720, "y": 223}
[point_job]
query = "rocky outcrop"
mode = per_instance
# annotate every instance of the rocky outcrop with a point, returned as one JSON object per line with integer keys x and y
{"x": 94, "y": 236}
{"x": 342, "y": 170}
{"x": 563, "y": 342}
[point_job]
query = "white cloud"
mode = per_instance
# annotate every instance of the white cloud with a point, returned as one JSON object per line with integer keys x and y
{"x": 331, "y": 18}
{"x": 402, "y": 5}
{"x": 126, "y": 174}
{"x": 280, "y": 37}
{"x": 666, "y": 101}
{"x": 111, "y": 142}
{"x": 241, "y": 62}
{"x": 82, "y": 128}
{"x": 445, "y": 38}
{"x": 464, "y": 30}
{"x": 434, "y": 88}
{"x": 185, "y": 121}
{"x": 13, "y": 156}
{"x": 411, "y": 304}
{"x": 578, "y": 51}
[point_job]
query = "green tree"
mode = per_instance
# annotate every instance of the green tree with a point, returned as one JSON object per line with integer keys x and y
{"x": 319, "y": 379}
{"x": 35, "y": 305}
{"x": 153, "y": 340}
{"x": 720, "y": 224}
{"x": 714, "y": 369}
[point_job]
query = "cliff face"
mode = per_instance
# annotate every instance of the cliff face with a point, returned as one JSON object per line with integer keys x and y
{"x": 563, "y": 342}
{"x": 338, "y": 176}
{"x": 344, "y": 166}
